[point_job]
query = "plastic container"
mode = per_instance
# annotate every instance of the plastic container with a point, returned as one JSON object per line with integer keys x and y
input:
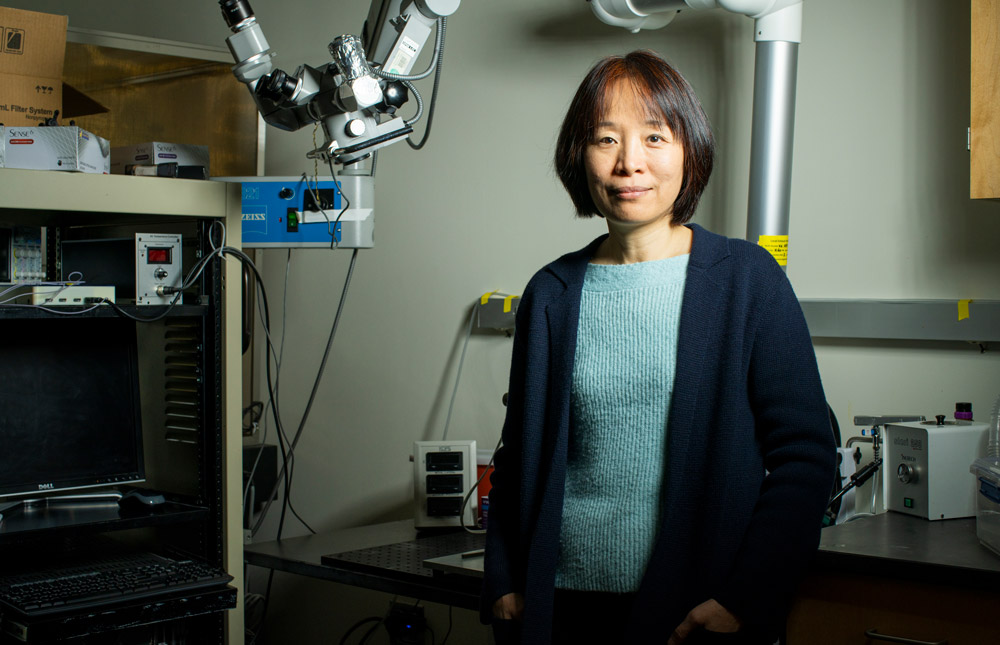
{"x": 987, "y": 472}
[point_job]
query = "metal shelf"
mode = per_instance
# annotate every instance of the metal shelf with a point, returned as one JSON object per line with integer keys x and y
{"x": 149, "y": 311}
{"x": 51, "y": 198}
{"x": 30, "y": 524}
{"x": 932, "y": 320}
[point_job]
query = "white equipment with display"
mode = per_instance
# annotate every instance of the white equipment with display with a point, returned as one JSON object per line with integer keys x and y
{"x": 157, "y": 268}
{"x": 443, "y": 473}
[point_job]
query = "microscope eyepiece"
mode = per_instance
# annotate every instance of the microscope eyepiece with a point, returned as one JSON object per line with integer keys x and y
{"x": 236, "y": 12}
{"x": 277, "y": 86}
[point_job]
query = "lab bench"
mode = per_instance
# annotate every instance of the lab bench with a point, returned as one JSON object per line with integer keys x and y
{"x": 899, "y": 579}
{"x": 385, "y": 557}
{"x": 889, "y": 575}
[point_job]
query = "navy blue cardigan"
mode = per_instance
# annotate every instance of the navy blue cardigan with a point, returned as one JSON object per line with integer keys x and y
{"x": 747, "y": 399}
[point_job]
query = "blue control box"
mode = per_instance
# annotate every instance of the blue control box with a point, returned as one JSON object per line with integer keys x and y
{"x": 293, "y": 212}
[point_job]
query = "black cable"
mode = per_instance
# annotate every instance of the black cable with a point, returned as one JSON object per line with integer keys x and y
{"x": 245, "y": 259}
{"x": 256, "y": 411}
{"x": 291, "y": 507}
{"x": 326, "y": 354}
{"x": 124, "y": 314}
{"x": 263, "y": 612}
{"x": 355, "y": 626}
{"x": 334, "y": 243}
{"x": 285, "y": 458}
{"x": 270, "y": 387}
{"x": 442, "y": 25}
{"x": 447, "y": 633}
{"x": 265, "y": 311}
{"x": 368, "y": 634}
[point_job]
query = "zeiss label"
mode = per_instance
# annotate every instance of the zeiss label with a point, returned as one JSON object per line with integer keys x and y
{"x": 254, "y": 219}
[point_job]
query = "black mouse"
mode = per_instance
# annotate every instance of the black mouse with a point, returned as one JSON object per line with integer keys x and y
{"x": 141, "y": 498}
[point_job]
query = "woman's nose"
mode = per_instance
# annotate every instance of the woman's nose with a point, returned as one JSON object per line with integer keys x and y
{"x": 630, "y": 158}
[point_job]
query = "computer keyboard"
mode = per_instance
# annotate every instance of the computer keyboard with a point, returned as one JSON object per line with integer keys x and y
{"x": 105, "y": 581}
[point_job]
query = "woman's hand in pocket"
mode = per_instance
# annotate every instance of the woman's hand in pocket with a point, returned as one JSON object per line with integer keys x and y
{"x": 710, "y": 616}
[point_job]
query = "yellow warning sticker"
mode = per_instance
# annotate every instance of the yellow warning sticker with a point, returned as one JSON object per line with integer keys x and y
{"x": 963, "y": 309}
{"x": 777, "y": 246}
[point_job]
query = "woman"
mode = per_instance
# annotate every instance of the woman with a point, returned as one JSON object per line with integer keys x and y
{"x": 667, "y": 454}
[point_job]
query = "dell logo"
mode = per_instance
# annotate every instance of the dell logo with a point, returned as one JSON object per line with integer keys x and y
{"x": 253, "y": 217}
{"x": 46, "y": 487}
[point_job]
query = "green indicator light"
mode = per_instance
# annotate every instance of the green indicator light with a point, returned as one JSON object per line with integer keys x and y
{"x": 908, "y": 502}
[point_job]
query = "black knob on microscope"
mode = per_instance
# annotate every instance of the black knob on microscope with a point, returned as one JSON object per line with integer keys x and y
{"x": 940, "y": 419}
{"x": 395, "y": 94}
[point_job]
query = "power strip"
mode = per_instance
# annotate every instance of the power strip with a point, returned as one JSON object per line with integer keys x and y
{"x": 73, "y": 296}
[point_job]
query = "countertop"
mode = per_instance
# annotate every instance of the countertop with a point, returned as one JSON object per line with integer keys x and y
{"x": 910, "y": 548}
{"x": 890, "y": 544}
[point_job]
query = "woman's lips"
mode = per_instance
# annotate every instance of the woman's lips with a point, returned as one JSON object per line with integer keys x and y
{"x": 629, "y": 192}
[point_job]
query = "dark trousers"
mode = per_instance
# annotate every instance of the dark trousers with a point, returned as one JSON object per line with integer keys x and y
{"x": 591, "y": 617}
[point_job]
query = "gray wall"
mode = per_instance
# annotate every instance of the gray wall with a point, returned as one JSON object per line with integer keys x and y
{"x": 880, "y": 209}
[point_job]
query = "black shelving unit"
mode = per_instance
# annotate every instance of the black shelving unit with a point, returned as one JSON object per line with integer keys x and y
{"x": 189, "y": 424}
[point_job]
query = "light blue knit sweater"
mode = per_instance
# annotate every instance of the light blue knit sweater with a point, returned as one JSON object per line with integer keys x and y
{"x": 623, "y": 379}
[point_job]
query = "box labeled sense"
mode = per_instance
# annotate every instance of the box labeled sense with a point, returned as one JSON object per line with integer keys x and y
{"x": 54, "y": 148}
{"x": 158, "y": 152}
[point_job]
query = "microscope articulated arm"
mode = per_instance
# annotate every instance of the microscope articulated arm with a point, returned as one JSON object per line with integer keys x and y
{"x": 354, "y": 97}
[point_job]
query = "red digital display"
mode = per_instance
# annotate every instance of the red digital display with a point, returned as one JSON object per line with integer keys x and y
{"x": 158, "y": 256}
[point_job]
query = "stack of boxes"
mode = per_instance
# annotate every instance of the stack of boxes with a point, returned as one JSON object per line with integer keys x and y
{"x": 32, "y": 93}
{"x": 32, "y": 49}
{"x": 161, "y": 159}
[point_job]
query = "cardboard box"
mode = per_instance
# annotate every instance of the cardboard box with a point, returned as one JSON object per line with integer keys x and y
{"x": 32, "y": 51}
{"x": 54, "y": 148}
{"x": 153, "y": 153}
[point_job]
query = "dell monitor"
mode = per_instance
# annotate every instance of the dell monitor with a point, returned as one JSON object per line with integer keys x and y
{"x": 69, "y": 405}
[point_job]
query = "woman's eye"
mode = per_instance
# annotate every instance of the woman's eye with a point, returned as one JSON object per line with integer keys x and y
{"x": 655, "y": 138}
{"x": 605, "y": 140}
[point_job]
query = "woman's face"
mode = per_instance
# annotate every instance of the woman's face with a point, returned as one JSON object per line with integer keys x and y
{"x": 635, "y": 165}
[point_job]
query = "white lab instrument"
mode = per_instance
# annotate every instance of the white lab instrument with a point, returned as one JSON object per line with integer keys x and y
{"x": 443, "y": 472}
{"x": 927, "y": 467}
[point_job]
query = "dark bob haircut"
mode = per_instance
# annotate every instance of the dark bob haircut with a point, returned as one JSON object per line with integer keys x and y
{"x": 666, "y": 95}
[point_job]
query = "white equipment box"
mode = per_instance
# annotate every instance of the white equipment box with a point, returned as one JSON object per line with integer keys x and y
{"x": 72, "y": 296}
{"x": 443, "y": 473}
{"x": 927, "y": 467}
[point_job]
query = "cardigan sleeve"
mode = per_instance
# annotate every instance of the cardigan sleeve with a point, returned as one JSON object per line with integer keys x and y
{"x": 501, "y": 569}
{"x": 792, "y": 424}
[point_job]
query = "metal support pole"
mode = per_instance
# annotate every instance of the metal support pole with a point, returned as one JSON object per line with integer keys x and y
{"x": 771, "y": 140}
